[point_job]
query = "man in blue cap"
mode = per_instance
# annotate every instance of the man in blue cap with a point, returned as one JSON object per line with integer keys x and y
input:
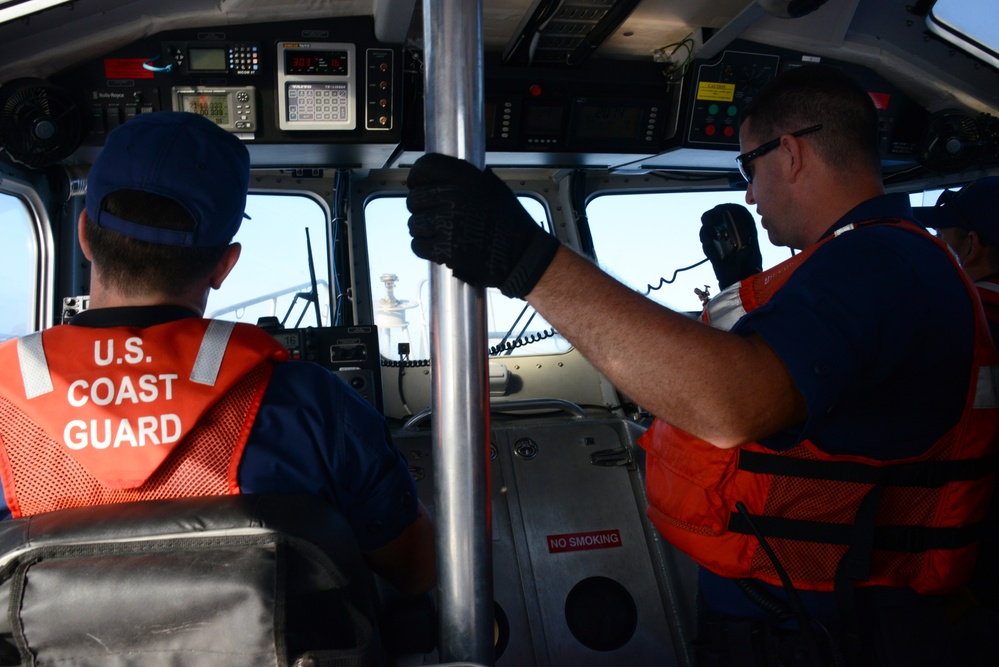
{"x": 141, "y": 398}
{"x": 966, "y": 220}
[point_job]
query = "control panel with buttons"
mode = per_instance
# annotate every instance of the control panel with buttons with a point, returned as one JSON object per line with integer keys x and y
{"x": 316, "y": 86}
{"x": 233, "y": 108}
{"x": 379, "y": 102}
{"x": 208, "y": 57}
{"x": 110, "y": 107}
{"x": 721, "y": 91}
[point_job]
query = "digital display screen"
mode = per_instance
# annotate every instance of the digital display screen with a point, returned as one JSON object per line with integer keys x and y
{"x": 289, "y": 340}
{"x": 544, "y": 121}
{"x": 490, "y": 114}
{"x": 206, "y": 60}
{"x": 213, "y": 107}
{"x": 607, "y": 122}
{"x": 326, "y": 63}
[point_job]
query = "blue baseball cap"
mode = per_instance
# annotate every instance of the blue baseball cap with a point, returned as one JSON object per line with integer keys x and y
{"x": 178, "y": 155}
{"x": 974, "y": 208}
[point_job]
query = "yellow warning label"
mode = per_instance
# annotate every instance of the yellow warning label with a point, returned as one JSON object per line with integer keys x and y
{"x": 716, "y": 92}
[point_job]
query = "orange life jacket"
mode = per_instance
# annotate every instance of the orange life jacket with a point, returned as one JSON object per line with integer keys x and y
{"x": 92, "y": 416}
{"x": 914, "y": 521}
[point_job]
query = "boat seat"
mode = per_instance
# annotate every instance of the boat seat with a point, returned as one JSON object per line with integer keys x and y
{"x": 232, "y": 580}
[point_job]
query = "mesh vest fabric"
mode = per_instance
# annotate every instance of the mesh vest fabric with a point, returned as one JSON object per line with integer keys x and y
{"x": 47, "y": 478}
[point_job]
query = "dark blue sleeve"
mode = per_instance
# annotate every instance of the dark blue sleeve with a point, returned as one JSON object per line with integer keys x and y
{"x": 4, "y": 509}
{"x": 315, "y": 435}
{"x": 876, "y": 329}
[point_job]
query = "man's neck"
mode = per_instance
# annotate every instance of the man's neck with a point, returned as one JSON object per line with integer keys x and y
{"x": 102, "y": 298}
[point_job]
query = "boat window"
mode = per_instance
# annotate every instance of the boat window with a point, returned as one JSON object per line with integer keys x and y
{"x": 651, "y": 242}
{"x": 19, "y": 269}
{"x": 272, "y": 275}
{"x": 400, "y": 289}
{"x": 965, "y": 24}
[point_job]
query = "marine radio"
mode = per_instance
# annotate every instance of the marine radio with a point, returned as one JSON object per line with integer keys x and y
{"x": 350, "y": 352}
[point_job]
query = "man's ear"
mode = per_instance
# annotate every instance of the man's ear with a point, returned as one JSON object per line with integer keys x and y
{"x": 225, "y": 265}
{"x": 792, "y": 147}
{"x": 82, "y": 235}
{"x": 974, "y": 250}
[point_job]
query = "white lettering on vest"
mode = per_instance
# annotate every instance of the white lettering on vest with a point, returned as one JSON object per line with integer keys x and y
{"x": 134, "y": 347}
{"x": 152, "y": 430}
{"x": 103, "y": 361}
{"x": 103, "y": 390}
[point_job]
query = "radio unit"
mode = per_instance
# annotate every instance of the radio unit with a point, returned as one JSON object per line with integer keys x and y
{"x": 233, "y": 108}
{"x": 212, "y": 56}
{"x": 350, "y": 352}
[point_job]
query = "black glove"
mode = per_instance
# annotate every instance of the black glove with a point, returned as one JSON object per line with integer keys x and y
{"x": 472, "y": 222}
{"x": 729, "y": 239}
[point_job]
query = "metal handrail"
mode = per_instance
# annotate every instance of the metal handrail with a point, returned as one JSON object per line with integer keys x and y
{"x": 515, "y": 405}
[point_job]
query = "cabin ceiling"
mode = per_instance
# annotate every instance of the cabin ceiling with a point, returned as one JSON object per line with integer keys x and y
{"x": 56, "y": 38}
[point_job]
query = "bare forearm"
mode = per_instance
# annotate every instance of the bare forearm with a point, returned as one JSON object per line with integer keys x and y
{"x": 724, "y": 388}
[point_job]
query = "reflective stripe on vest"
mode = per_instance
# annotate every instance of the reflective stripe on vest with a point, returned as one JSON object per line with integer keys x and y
{"x": 987, "y": 389}
{"x": 38, "y": 380}
{"x": 34, "y": 366}
{"x": 211, "y": 352}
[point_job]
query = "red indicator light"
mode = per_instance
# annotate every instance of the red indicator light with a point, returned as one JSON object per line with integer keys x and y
{"x": 881, "y": 100}
{"x": 710, "y": 130}
{"x": 535, "y": 90}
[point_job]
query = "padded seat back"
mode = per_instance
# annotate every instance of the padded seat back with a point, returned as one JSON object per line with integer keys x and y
{"x": 234, "y": 580}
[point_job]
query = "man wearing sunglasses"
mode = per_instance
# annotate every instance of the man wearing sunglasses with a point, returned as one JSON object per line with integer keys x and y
{"x": 779, "y": 460}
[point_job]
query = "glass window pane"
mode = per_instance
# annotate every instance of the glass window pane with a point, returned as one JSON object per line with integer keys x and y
{"x": 968, "y": 25}
{"x": 18, "y": 268}
{"x": 400, "y": 288}
{"x": 272, "y": 277}
{"x": 651, "y": 240}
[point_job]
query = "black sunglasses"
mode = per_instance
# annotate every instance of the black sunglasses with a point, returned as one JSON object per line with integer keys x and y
{"x": 744, "y": 159}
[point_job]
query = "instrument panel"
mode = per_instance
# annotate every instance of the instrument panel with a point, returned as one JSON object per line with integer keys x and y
{"x": 327, "y": 85}
{"x": 329, "y": 88}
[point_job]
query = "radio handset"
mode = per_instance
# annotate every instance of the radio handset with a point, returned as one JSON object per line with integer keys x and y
{"x": 729, "y": 239}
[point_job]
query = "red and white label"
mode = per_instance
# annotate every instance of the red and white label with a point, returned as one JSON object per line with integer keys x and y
{"x": 598, "y": 539}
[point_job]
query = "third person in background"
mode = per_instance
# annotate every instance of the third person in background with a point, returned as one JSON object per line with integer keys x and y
{"x": 967, "y": 220}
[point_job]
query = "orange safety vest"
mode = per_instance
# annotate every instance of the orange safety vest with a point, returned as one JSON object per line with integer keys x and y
{"x": 911, "y": 522}
{"x": 93, "y": 416}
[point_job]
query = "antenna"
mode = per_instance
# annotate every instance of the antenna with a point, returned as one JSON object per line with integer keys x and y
{"x": 312, "y": 296}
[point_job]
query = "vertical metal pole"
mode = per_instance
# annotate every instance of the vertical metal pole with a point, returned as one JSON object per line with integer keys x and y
{"x": 452, "y": 31}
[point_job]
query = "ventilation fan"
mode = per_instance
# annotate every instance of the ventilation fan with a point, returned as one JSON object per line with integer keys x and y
{"x": 39, "y": 123}
{"x": 953, "y": 142}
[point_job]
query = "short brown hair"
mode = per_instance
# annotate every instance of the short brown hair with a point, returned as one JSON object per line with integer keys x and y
{"x": 819, "y": 94}
{"x": 136, "y": 267}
